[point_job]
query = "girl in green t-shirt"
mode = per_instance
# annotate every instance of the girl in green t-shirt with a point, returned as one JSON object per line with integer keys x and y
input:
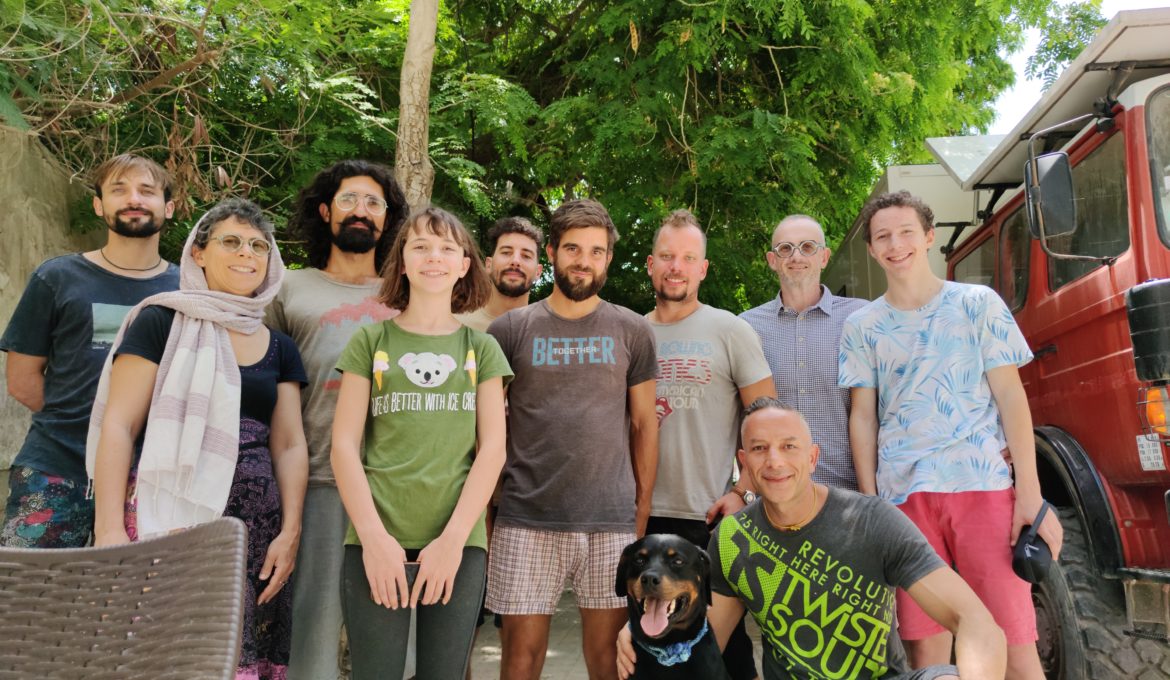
{"x": 418, "y": 445}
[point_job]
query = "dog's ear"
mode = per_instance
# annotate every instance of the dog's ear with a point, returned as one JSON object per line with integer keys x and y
{"x": 619, "y": 585}
{"x": 705, "y": 574}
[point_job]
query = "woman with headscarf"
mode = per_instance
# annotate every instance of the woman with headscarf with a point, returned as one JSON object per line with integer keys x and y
{"x": 212, "y": 397}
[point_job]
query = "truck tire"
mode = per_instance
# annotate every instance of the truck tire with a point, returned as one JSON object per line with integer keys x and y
{"x": 1080, "y": 618}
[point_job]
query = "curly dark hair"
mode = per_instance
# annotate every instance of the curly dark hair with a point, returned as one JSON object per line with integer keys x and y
{"x": 897, "y": 199}
{"x": 316, "y": 232}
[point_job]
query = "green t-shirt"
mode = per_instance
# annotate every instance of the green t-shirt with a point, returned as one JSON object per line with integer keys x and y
{"x": 420, "y": 430}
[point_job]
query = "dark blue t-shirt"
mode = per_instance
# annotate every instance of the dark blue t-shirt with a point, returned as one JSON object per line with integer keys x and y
{"x": 70, "y": 313}
{"x": 147, "y": 337}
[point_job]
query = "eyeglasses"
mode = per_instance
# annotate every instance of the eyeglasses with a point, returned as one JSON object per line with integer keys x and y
{"x": 785, "y": 249}
{"x": 232, "y": 243}
{"x": 349, "y": 200}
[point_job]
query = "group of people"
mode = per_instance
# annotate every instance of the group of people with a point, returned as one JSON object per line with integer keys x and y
{"x": 363, "y": 413}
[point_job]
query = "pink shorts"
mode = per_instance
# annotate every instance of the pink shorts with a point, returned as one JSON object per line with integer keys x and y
{"x": 971, "y": 530}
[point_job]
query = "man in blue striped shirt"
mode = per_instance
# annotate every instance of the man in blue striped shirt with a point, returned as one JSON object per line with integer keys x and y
{"x": 800, "y": 330}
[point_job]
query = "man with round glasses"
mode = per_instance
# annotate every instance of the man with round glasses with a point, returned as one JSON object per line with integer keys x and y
{"x": 348, "y": 217}
{"x": 800, "y": 330}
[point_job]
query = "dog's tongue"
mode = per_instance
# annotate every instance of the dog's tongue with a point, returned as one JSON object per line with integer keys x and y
{"x": 654, "y": 620}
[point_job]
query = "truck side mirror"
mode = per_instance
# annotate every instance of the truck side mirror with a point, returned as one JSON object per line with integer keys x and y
{"x": 1049, "y": 196}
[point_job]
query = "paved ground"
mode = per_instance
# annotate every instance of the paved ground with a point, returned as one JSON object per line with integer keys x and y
{"x": 564, "y": 660}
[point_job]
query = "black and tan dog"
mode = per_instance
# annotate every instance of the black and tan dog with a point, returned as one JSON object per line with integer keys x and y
{"x": 666, "y": 581}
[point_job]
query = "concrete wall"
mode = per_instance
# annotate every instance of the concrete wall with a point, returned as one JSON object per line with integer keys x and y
{"x": 34, "y": 225}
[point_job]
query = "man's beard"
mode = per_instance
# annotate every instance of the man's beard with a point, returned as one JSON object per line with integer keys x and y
{"x": 677, "y": 297}
{"x": 513, "y": 289}
{"x": 351, "y": 239}
{"x": 578, "y": 292}
{"x": 141, "y": 228}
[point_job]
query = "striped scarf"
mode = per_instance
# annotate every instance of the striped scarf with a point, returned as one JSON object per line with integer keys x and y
{"x": 192, "y": 436}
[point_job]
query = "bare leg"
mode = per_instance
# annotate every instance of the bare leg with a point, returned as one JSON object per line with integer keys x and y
{"x": 932, "y": 651}
{"x": 525, "y": 642}
{"x": 599, "y": 630}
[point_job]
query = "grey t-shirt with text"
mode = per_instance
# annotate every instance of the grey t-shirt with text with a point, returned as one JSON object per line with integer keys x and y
{"x": 823, "y": 595}
{"x": 703, "y": 360}
{"x": 569, "y": 466}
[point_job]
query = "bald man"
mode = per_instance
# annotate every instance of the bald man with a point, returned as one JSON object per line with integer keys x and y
{"x": 800, "y": 330}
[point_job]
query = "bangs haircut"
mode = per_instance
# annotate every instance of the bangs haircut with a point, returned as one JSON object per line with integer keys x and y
{"x": 583, "y": 213}
{"x": 471, "y": 291}
{"x": 116, "y": 167}
{"x": 897, "y": 199}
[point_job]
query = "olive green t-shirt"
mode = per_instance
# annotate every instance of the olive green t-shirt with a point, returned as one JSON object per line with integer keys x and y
{"x": 420, "y": 428}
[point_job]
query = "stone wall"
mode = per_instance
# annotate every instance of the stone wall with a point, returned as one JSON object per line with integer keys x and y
{"x": 37, "y": 194}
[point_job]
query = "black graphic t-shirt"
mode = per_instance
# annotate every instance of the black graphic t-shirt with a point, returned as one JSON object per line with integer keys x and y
{"x": 70, "y": 313}
{"x": 823, "y": 595}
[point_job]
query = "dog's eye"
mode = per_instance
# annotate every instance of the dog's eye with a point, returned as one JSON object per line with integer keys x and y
{"x": 678, "y": 562}
{"x": 639, "y": 560}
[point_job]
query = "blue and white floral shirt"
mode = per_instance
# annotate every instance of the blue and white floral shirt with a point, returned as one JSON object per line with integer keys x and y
{"x": 939, "y": 429}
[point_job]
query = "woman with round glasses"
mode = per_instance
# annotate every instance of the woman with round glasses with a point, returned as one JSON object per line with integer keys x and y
{"x": 198, "y": 415}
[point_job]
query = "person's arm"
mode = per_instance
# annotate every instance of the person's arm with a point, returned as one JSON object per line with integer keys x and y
{"x": 290, "y": 463}
{"x": 731, "y": 502}
{"x": 26, "y": 379}
{"x": 723, "y": 615}
{"x": 439, "y": 561}
{"x": 131, "y": 390}
{"x": 643, "y": 448}
{"x": 863, "y": 437}
{"x": 980, "y": 646}
{"x": 382, "y": 556}
{"x": 1012, "y": 402}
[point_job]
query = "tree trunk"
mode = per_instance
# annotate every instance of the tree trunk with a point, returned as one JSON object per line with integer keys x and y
{"x": 412, "y": 163}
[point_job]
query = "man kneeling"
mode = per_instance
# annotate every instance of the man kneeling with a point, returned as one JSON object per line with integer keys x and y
{"x": 817, "y": 568}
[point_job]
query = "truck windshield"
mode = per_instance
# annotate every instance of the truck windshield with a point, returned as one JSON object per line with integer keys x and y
{"x": 1158, "y": 129}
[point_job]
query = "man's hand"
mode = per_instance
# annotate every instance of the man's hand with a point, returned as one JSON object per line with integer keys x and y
{"x": 1025, "y": 512}
{"x": 625, "y": 653}
{"x": 727, "y": 504}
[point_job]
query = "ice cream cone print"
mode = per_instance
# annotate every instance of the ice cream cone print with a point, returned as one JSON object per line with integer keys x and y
{"x": 469, "y": 365}
{"x": 381, "y": 363}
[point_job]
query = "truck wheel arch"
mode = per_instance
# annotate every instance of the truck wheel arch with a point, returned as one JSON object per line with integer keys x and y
{"x": 1069, "y": 479}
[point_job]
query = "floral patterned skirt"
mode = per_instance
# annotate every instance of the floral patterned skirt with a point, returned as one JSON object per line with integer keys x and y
{"x": 255, "y": 499}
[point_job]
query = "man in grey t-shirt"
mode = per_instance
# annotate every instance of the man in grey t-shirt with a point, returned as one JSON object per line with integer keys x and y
{"x": 817, "y": 567}
{"x": 580, "y": 411}
{"x": 348, "y": 216}
{"x": 710, "y": 365}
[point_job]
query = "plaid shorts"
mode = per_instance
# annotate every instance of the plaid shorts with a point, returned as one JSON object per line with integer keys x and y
{"x": 527, "y": 569}
{"x": 45, "y": 511}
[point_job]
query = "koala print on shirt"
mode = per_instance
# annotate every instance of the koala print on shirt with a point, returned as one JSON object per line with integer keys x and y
{"x": 427, "y": 369}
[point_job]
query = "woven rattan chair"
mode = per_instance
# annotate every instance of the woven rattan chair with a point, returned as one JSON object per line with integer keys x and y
{"x": 169, "y": 607}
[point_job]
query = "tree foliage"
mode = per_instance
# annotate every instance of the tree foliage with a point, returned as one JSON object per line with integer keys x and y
{"x": 741, "y": 110}
{"x": 1064, "y": 33}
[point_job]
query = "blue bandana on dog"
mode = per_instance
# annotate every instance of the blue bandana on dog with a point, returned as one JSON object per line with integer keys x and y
{"x": 679, "y": 652}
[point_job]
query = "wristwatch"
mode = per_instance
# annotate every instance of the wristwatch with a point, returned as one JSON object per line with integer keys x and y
{"x": 747, "y": 496}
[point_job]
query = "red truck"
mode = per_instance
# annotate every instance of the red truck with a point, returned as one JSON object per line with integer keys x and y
{"x": 1074, "y": 234}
